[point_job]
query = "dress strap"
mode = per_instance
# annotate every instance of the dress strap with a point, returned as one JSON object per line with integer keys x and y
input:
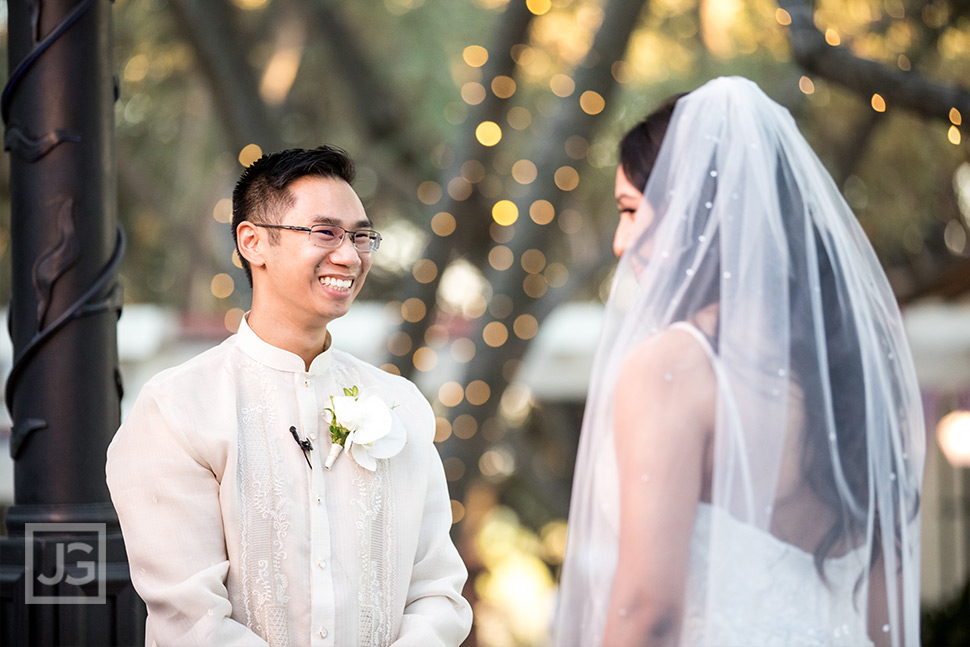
{"x": 698, "y": 335}
{"x": 727, "y": 403}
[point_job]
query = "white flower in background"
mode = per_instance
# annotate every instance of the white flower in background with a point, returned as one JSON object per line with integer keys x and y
{"x": 361, "y": 423}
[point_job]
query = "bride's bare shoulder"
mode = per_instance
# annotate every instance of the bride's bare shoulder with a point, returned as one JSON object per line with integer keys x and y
{"x": 675, "y": 351}
{"x": 667, "y": 389}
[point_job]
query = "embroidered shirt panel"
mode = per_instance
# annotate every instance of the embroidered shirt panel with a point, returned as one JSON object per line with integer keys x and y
{"x": 341, "y": 522}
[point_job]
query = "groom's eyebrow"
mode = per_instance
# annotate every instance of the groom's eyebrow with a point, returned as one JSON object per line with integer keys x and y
{"x": 364, "y": 223}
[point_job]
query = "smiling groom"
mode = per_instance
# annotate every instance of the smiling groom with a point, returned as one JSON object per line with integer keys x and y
{"x": 275, "y": 490}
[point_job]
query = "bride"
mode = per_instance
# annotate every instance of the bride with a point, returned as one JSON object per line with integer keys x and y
{"x": 752, "y": 449}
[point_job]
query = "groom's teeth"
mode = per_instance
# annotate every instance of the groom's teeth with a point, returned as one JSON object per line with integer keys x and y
{"x": 340, "y": 284}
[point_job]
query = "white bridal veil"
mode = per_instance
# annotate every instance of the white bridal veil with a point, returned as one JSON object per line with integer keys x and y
{"x": 818, "y": 440}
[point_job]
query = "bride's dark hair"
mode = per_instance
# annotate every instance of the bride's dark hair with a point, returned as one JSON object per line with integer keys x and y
{"x": 844, "y": 373}
{"x": 840, "y": 376}
{"x": 640, "y": 145}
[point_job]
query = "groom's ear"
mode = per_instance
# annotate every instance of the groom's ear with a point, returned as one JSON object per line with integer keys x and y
{"x": 251, "y": 242}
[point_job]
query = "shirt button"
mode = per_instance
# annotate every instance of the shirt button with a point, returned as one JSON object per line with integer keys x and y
{"x": 323, "y": 632}
{"x": 313, "y": 435}
{"x": 319, "y": 499}
{"x": 322, "y": 563}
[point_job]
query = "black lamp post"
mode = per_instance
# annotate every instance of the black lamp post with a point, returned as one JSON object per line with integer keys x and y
{"x": 63, "y": 570}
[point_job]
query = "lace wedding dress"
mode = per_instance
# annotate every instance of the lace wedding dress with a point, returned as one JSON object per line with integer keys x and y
{"x": 795, "y": 608}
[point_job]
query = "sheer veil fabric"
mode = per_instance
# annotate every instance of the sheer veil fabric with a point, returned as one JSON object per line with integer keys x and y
{"x": 818, "y": 439}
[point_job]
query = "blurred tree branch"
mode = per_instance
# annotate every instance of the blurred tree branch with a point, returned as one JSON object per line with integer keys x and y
{"x": 949, "y": 283}
{"x": 853, "y": 149}
{"x": 375, "y": 101}
{"x": 471, "y": 235}
{"x": 381, "y": 110}
{"x": 139, "y": 185}
{"x": 865, "y": 77}
{"x": 212, "y": 29}
{"x": 939, "y": 273}
{"x": 594, "y": 74}
{"x": 545, "y": 455}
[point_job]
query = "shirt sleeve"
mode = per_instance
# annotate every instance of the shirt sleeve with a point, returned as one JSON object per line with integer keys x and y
{"x": 435, "y": 613}
{"x": 167, "y": 500}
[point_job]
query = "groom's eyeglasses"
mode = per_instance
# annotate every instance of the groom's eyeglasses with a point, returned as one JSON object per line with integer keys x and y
{"x": 332, "y": 236}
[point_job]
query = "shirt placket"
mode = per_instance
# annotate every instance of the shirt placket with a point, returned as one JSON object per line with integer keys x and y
{"x": 323, "y": 604}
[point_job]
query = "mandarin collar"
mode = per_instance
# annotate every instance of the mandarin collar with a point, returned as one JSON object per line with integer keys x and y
{"x": 277, "y": 358}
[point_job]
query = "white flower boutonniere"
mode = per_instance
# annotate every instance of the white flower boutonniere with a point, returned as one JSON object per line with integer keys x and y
{"x": 361, "y": 424}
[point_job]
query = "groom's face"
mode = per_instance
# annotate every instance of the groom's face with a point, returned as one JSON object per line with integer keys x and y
{"x": 307, "y": 282}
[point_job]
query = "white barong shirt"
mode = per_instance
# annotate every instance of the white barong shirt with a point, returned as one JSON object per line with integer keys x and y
{"x": 233, "y": 539}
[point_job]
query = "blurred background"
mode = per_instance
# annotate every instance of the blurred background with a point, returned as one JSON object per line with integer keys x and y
{"x": 485, "y": 132}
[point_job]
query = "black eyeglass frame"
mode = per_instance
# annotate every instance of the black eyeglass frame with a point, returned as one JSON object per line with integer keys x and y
{"x": 374, "y": 241}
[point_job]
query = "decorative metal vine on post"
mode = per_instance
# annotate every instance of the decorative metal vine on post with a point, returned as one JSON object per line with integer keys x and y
{"x": 63, "y": 558}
